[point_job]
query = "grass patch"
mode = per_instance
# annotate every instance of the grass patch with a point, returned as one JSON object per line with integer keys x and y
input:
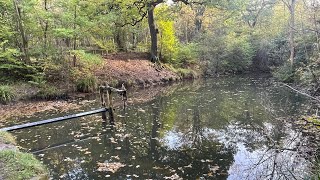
{"x": 7, "y": 138}
{"x": 6, "y": 94}
{"x": 86, "y": 84}
{"x": 16, "y": 165}
{"x": 183, "y": 73}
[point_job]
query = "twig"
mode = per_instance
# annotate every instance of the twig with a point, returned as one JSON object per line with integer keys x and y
{"x": 301, "y": 92}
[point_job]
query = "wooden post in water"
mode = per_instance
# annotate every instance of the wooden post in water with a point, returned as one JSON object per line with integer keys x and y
{"x": 108, "y": 103}
{"x": 103, "y": 103}
{"x": 110, "y": 106}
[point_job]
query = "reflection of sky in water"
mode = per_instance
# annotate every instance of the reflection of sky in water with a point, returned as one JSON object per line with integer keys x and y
{"x": 280, "y": 162}
{"x": 172, "y": 140}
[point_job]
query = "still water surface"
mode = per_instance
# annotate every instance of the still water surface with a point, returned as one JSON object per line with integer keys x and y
{"x": 226, "y": 128}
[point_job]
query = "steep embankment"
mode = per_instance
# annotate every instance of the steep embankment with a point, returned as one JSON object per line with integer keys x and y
{"x": 134, "y": 69}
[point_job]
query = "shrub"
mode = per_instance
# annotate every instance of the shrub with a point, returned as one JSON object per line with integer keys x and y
{"x": 239, "y": 54}
{"x": 186, "y": 54}
{"x": 86, "y": 84}
{"x": 49, "y": 93}
{"x": 13, "y": 69}
{"x": 284, "y": 73}
{"x": 183, "y": 73}
{"x": 6, "y": 94}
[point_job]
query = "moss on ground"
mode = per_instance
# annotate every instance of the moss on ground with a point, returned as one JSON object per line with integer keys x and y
{"x": 16, "y": 165}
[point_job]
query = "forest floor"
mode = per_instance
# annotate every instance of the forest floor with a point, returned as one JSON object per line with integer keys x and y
{"x": 134, "y": 69}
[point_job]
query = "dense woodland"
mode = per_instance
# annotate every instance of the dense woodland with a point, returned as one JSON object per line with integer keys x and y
{"x": 48, "y": 41}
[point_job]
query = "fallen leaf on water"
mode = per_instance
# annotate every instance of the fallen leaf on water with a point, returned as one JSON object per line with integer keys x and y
{"x": 113, "y": 141}
{"x": 174, "y": 176}
{"x": 141, "y": 110}
{"x": 112, "y": 167}
{"x": 181, "y": 169}
{"x": 213, "y": 168}
{"x": 67, "y": 159}
{"x": 87, "y": 152}
{"x": 115, "y": 157}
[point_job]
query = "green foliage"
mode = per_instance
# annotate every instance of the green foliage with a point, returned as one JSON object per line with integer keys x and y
{"x": 226, "y": 53}
{"x": 239, "y": 53}
{"x": 16, "y": 165}
{"x": 86, "y": 84}
{"x": 108, "y": 46}
{"x": 167, "y": 41}
{"x": 13, "y": 69}
{"x": 84, "y": 80}
{"x": 186, "y": 54}
{"x": 278, "y": 51}
{"x": 87, "y": 60}
{"x": 182, "y": 72}
{"x": 6, "y": 94}
{"x": 284, "y": 73}
{"x": 38, "y": 80}
{"x": 63, "y": 33}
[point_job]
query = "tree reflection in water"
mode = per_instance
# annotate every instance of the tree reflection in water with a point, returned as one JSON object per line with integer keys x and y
{"x": 227, "y": 128}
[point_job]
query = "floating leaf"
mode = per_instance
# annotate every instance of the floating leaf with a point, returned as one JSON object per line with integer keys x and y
{"x": 112, "y": 167}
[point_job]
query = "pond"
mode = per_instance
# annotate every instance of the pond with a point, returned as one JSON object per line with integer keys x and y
{"x": 221, "y": 128}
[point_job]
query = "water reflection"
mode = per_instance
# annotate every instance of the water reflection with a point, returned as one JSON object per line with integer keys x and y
{"x": 228, "y": 128}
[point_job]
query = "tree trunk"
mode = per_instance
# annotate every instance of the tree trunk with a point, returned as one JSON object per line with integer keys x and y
{"x": 120, "y": 39}
{"x": 134, "y": 41}
{"x": 75, "y": 36}
{"x": 198, "y": 20}
{"x": 46, "y": 26}
{"x": 153, "y": 33}
{"x": 291, "y": 32}
{"x": 21, "y": 31}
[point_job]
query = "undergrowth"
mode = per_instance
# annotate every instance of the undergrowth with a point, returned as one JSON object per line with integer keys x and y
{"x": 6, "y": 94}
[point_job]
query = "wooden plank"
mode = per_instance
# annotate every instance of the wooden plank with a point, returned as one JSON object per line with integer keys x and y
{"x": 48, "y": 121}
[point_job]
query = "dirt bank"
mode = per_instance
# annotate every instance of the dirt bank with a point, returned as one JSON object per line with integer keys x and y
{"x": 134, "y": 69}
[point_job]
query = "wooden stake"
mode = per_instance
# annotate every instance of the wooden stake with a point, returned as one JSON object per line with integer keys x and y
{"x": 103, "y": 103}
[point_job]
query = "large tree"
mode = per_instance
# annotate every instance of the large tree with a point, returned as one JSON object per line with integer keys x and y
{"x": 145, "y": 8}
